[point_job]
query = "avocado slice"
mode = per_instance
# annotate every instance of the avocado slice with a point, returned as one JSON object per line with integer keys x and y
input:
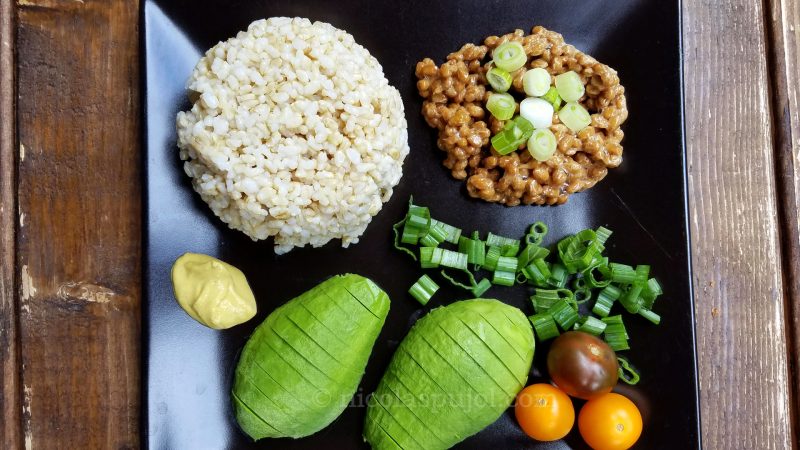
{"x": 302, "y": 365}
{"x": 477, "y": 364}
{"x": 444, "y": 412}
{"x": 456, "y": 379}
{"x": 297, "y": 338}
{"x": 382, "y": 438}
{"x": 392, "y": 425}
{"x": 370, "y": 295}
{"x": 443, "y": 358}
{"x": 280, "y": 400}
{"x": 260, "y": 403}
{"x": 426, "y": 432}
{"x": 503, "y": 366}
{"x": 342, "y": 299}
{"x": 252, "y": 421}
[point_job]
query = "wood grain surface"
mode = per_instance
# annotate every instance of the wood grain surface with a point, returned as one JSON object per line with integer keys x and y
{"x": 70, "y": 234}
{"x": 79, "y": 227}
{"x": 784, "y": 25}
{"x": 736, "y": 256}
{"x": 10, "y": 409}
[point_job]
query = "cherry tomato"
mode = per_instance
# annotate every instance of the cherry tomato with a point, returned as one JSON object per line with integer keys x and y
{"x": 582, "y": 365}
{"x": 544, "y": 412}
{"x": 610, "y": 422}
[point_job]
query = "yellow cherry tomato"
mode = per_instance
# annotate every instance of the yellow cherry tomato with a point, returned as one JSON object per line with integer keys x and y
{"x": 610, "y": 422}
{"x": 544, "y": 412}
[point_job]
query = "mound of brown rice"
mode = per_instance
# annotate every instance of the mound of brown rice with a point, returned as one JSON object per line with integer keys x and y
{"x": 294, "y": 133}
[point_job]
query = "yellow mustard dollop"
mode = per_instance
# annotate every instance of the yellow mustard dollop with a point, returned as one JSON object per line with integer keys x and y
{"x": 213, "y": 292}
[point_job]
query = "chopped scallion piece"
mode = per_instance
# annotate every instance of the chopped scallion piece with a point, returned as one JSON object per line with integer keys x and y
{"x": 544, "y": 299}
{"x": 502, "y": 106}
{"x": 582, "y": 295}
{"x": 410, "y": 235}
{"x": 552, "y": 96}
{"x": 472, "y": 282}
{"x": 506, "y": 264}
{"x": 605, "y": 300}
{"x": 630, "y": 298}
{"x": 453, "y": 233}
{"x": 591, "y": 325}
{"x": 515, "y": 133}
{"x": 475, "y": 250}
{"x": 531, "y": 252}
{"x": 504, "y": 278}
{"x": 416, "y": 225}
{"x": 509, "y": 250}
{"x": 537, "y": 111}
{"x": 569, "y": 86}
{"x": 616, "y": 320}
{"x": 542, "y": 144}
{"x": 577, "y": 252}
{"x": 454, "y": 260}
{"x": 430, "y": 257}
{"x": 534, "y": 239}
{"x": 564, "y": 314}
{"x": 481, "y": 287}
{"x": 423, "y": 289}
{"x": 436, "y": 234}
{"x": 509, "y": 56}
{"x": 499, "y": 79}
{"x": 494, "y": 240}
{"x": 537, "y": 272}
{"x": 396, "y": 229}
{"x": 594, "y": 277}
{"x": 544, "y": 325}
{"x": 650, "y": 292}
{"x": 622, "y": 273}
{"x": 574, "y": 116}
{"x": 627, "y": 374}
{"x": 538, "y": 228}
{"x": 536, "y": 82}
{"x": 492, "y": 256}
{"x": 603, "y": 234}
{"x": 558, "y": 276}
{"x": 615, "y": 334}
{"x": 650, "y": 315}
{"x": 642, "y": 273}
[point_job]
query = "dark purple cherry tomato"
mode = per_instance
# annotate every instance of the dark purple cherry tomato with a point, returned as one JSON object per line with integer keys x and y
{"x": 582, "y": 365}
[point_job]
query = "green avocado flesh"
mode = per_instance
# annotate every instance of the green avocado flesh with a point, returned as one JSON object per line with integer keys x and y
{"x": 302, "y": 365}
{"x": 456, "y": 372}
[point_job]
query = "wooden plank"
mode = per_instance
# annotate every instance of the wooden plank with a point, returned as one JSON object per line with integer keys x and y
{"x": 733, "y": 212}
{"x": 784, "y": 21}
{"x": 78, "y": 246}
{"x": 10, "y": 403}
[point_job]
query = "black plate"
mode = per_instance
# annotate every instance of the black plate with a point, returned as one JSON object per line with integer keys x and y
{"x": 188, "y": 367}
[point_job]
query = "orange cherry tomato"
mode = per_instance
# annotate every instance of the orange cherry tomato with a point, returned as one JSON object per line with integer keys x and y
{"x": 544, "y": 412}
{"x": 610, "y": 422}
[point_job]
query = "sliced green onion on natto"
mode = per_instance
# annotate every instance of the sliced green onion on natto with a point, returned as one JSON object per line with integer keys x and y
{"x": 515, "y": 133}
{"x": 509, "y": 56}
{"x": 499, "y": 79}
{"x": 537, "y": 111}
{"x": 536, "y": 82}
{"x": 542, "y": 144}
{"x": 574, "y": 116}
{"x": 552, "y": 97}
{"x": 502, "y": 106}
{"x": 569, "y": 86}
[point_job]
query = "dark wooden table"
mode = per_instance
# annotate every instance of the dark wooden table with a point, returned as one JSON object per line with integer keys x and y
{"x": 70, "y": 221}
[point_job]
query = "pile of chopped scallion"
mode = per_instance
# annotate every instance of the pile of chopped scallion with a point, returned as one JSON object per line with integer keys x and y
{"x": 577, "y": 274}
